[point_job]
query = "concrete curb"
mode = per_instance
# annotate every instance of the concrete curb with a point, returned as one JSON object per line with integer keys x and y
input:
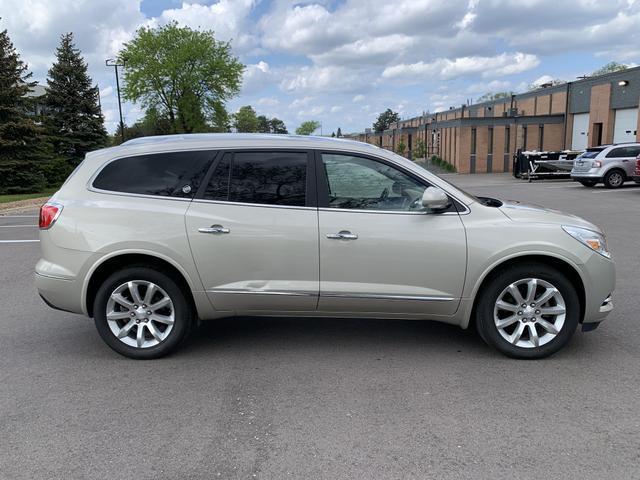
{"x": 22, "y": 205}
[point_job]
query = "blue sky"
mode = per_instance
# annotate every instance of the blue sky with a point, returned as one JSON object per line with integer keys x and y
{"x": 343, "y": 61}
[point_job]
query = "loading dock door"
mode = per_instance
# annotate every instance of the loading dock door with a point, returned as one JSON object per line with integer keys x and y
{"x": 626, "y": 125}
{"x": 580, "y": 132}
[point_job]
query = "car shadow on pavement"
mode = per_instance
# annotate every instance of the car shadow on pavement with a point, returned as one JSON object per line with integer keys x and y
{"x": 296, "y": 333}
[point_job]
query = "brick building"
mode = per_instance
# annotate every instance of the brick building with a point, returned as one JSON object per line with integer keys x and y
{"x": 485, "y": 136}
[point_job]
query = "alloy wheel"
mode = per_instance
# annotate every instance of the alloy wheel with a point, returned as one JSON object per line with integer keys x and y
{"x": 529, "y": 313}
{"x": 140, "y": 314}
{"x": 615, "y": 179}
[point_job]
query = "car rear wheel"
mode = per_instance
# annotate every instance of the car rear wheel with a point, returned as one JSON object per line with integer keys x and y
{"x": 588, "y": 183}
{"x": 528, "y": 311}
{"x": 142, "y": 313}
{"x": 614, "y": 179}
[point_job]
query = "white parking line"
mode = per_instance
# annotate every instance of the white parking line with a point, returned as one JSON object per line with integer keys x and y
{"x": 618, "y": 190}
{"x": 18, "y": 226}
{"x": 19, "y": 241}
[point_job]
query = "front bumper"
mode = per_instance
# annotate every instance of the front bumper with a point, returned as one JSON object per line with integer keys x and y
{"x": 599, "y": 276}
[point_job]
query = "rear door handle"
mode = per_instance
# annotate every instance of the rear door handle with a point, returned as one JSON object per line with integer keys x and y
{"x": 342, "y": 235}
{"x": 214, "y": 229}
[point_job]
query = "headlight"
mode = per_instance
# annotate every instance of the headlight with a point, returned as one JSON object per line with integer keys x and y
{"x": 594, "y": 240}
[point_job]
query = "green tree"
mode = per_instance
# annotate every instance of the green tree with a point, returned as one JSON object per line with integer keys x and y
{"x": 23, "y": 155}
{"x": 487, "y": 97}
{"x": 308, "y": 127}
{"x": 401, "y": 147}
{"x": 245, "y": 120}
{"x": 74, "y": 123}
{"x": 339, "y": 133}
{"x": 333, "y": 134}
{"x": 153, "y": 123}
{"x": 610, "y": 68}
{"x": 421, "y": 149}
{"x": 263, "y": 124}
{"x": 277, "y": 126}
{"x": 385, "y": 119}
{"x": 186, "y": 74}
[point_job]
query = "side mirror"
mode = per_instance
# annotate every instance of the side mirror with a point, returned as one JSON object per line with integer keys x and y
{"x": 435, "y": 200}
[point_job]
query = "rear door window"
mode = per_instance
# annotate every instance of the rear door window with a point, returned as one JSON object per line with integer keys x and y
{"x": 268, "y": 178}
{"x": 620, "y": 152}
{"x": 175, "y": 174}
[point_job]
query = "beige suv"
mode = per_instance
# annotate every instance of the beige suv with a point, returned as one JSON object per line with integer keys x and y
{"x": 150, "y": 236}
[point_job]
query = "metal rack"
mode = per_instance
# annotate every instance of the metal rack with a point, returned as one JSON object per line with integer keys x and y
{"x": 539, "y": 165}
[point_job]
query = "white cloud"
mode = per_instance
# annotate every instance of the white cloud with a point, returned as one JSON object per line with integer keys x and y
{"x": 227, "y": 18}
{"x": 496, "y": 66}
{"x": 358, "y": 98}
{"x": 268, "y": 102}
{"x": 336, "y": 108}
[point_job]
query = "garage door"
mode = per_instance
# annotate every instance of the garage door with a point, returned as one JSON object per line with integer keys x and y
{"x": 580, "y": 131}
{"x": 626, "y": 125}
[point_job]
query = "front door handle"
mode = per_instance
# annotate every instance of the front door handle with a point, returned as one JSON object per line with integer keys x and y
{"x": 342, "y": 235}
{"x": 215, "y": 229}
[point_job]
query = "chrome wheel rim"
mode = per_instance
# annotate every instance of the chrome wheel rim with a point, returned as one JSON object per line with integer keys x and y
{"x": 529, "y": 313}
{"x": 140, "y": 314}
{"x": 615, "y": 179}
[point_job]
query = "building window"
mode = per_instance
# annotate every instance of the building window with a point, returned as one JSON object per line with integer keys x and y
{"x": 490, "y": 141}
{"x": 473, "y": 141}
{"x": 507, "y": 139}
{"x": 541, "y": 137}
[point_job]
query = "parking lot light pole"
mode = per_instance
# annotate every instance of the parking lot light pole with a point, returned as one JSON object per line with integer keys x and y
{"x": 110, "y": 62}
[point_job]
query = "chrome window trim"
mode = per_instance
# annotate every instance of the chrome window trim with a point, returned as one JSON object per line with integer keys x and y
{"x": 263, "y": 292}
{"x": 375, "y": 296}
{"x": 240, "y": 204}
{"x": 91, "y": 188}
{"x": 387, "y": 212}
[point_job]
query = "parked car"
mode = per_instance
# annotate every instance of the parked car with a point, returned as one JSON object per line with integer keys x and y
{"x": 609, "y": 164}
{"x": 152, "y": 235}
{"x": 636, "y": 174}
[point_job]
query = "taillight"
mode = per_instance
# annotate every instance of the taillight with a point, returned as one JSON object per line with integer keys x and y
{"x": 49, "y": 213}
{"x": 638, "y": 165}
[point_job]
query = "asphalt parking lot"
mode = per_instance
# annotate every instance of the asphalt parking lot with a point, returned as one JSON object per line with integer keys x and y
{"x": 310, "y": 398}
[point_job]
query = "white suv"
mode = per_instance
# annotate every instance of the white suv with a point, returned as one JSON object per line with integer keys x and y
{"x": 609, "y": 164}
{"x": 150, "y": 236}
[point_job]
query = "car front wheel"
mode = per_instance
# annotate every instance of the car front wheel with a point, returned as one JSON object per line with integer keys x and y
{"x": 614, "y": 179}
{"x": 528, "y": 311}
{"x": 142, "y": 313}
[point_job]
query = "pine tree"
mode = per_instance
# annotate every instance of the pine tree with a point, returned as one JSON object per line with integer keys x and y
{"x": 74, "y": 121}
{"x": 22, "y": 154}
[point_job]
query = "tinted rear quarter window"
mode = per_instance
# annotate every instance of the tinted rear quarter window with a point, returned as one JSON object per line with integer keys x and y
{"x": 269, "y": 178}
{"x": 176, "y": 174}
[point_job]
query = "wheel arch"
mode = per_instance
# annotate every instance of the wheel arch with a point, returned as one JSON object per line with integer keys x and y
{"x": 559, "y": 264}
{"x": 114, "y": 262}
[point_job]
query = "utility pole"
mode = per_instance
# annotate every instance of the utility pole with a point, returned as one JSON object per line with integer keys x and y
{"x": 110, "y": 62}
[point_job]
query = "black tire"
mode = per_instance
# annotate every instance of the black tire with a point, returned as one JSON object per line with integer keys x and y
{"x": 589, "y": 183}
{"x": 614, "y": 178}
{"x": 494, "y": 286}
{"x": 183, "y": 312}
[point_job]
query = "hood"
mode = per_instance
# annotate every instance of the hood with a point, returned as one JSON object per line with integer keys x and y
{"x": 521, "y": 212}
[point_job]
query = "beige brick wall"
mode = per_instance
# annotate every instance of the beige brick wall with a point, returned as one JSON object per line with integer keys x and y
{"x": 543, "y": 105}
{"x": 498, "y": 148}
{"x": 558, "y": 102}
{"x": 482, "y": 138}
{"x": 552, "y": 137}
{"x": 601, "y": 112}
{"x": 465, "y": 148}
{"x": 528, "y": 106}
